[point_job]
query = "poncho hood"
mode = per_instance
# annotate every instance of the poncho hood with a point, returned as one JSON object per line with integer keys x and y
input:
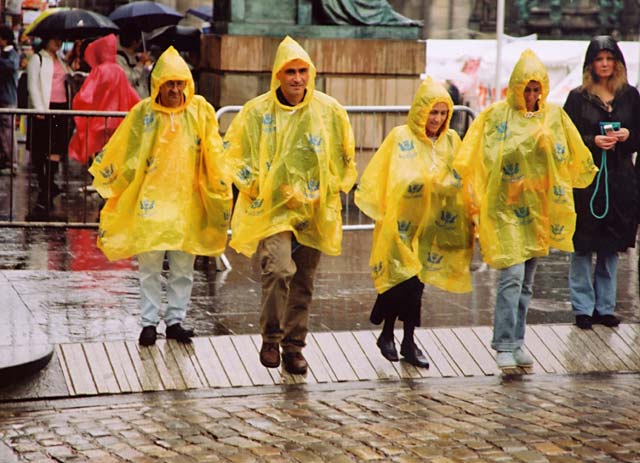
{"x": 428, "y": 95}
{"x": 528, "y": 68}
{"x": 290, "y": 50}
{"x": 103, "y": 50}
{"x": 599, "y": 43}
{"x": 171, "y": 66}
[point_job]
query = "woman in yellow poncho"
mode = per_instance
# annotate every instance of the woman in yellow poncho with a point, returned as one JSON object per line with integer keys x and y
{"x": 520, "y": 159}
{"x": 166, "y": 192}
{"x": 423, "y": 232}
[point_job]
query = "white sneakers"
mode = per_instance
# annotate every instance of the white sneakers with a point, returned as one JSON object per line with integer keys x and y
{"x": 522, "y": 358}
{"x": 517, "y": 358}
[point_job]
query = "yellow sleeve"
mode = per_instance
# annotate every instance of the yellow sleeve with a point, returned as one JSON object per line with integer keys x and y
{"x": 241, "y": 152}
{"x": 345, "y": 164}
{"x": 371, "y": 193}
{"x": 114, "y": 167}
{"x": 468, "y": 163}
{"x": 581, "y": 168}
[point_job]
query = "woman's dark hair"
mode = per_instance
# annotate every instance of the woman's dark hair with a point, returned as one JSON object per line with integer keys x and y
{"x": 7, "y": 34}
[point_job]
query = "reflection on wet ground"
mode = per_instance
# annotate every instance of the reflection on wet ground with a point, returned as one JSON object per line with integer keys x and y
{"x": 76, "y": 295}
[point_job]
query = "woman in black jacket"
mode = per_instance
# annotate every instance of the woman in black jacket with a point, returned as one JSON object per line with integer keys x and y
{"x": 605, "y": 110}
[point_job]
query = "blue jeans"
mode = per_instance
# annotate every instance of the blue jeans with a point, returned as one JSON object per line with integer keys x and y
{"x": 179, "y": 284}
{"x": 593, "y": 290}
{"x": 515, "y": 288}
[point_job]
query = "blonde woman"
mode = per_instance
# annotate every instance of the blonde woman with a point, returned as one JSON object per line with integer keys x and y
{"x": 605, "y": 110}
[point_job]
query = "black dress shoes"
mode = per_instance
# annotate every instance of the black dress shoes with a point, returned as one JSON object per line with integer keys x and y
{"x": 388, "y": 349}
{"x": 414, "y": 356}
{"x": 584, "y": 322}
{"x": 607, "y": 320}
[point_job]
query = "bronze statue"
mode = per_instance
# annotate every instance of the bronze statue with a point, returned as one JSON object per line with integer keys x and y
{"x": 362, "y": 13}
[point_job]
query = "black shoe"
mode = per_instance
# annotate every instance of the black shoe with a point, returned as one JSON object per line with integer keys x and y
{"x": 148, "y": 336}
{"x": 584, "y": 322}
{"x": 388, "y": 348}
{"x": 607, "y": 320}
{"x": 178, "y": 333}
{"x": 414, "y": 356}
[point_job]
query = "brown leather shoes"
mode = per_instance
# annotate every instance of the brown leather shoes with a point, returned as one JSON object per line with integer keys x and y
{"x": 294, "y": 363}
{"x": 270, "y": 354}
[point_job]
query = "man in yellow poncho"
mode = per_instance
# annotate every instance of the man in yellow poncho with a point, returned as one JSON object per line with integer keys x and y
{"x": 166, "y": 192}
{"x": 423, "y": 231}
{"x": 521, "y": 158}
{"x": 292, "y": 152}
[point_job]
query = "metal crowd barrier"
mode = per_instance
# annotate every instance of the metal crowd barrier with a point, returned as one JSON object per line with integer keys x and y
{"x": 79, "y": 206}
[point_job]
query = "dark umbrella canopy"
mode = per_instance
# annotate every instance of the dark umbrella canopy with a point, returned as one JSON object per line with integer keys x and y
{"x": 183, "y": 38}
{"x": 74, "y": 24}
{"x": 204, "y": 12}
{"x": 144, "y": 16}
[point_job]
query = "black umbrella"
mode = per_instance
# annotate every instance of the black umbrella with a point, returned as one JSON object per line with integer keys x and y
{"x": 144, "y": 16}
{"x": 204, "y": 12}
{"x": 74, "y": 24}
{"x": 183, "y": 38}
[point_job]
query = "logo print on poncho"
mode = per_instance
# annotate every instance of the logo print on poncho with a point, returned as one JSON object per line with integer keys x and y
{"x": 447, "y": 220}
{"x": 255, "y": 208}
{"x": 407, "y": 150}
{"x": 302, "y": 225}
{"x": 226, "y": 144}
{"x": 268, "y": 124}
{"x": 376, "y": 269}
{"x": 313, "y": 186}
{"x": 501, "y": 130}
{"x": 523, "y": 214}
{"x": 560, "y": 152}
{"x": 559, "y": 194}
{"x": 457, "y": 179}
{"x": 146, "y": 207}
{"x": 433, "y": 262}
{"x": 404, "y": 226}
{"x": 556, "y": 232}
{"x": 99, "y": 156}
{"x": 511, "y": 172}
{"x": 414, "y": 190}
{"x": 147, "y": 120}
{"x": 315, "y": 141}
{"x": 244, "y": 174}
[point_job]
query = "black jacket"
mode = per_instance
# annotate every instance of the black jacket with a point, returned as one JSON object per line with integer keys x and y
{"x": 616, "y": 231}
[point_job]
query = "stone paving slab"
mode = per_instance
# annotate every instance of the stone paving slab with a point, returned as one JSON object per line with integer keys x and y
{"x": 546, "y": 419}
{"x": 24, "y": 347}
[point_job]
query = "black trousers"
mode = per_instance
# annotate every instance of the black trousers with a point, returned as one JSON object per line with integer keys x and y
{"x": 403, "y": 301}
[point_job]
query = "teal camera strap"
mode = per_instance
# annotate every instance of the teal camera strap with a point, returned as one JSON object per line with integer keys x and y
{"x": 603, "y": 169}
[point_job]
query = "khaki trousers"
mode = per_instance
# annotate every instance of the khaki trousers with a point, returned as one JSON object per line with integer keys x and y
{"x": 287, "y": 288}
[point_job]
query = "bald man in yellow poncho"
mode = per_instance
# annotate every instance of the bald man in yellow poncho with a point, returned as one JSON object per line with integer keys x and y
{"x": 166, "y": 192}
{"x": 291, "y": 152}
{"x": 521, "y": 159}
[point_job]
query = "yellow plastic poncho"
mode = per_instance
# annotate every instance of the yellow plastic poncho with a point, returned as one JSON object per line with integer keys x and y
{"x": 162, "y": 177}
{"x": 423, "y": 224}
{"x": 290, "y": 164}
{"x": 521, "y": 168}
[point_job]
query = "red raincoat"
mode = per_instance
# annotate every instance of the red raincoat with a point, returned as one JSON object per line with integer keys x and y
{"x": 105, "y": 89}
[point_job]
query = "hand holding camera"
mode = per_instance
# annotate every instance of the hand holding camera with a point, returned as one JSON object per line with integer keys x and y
{"x": 612, "y": 133}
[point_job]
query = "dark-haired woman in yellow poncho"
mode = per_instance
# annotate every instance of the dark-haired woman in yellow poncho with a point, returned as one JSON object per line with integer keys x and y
{"x": 423, "y": 233}
{"x": 520, "y": 160}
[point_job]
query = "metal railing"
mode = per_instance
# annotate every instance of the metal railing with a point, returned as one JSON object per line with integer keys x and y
{"x": 79, "y": 207}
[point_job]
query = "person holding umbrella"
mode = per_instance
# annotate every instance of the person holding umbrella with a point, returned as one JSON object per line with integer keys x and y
{"x": 135, "y": 65}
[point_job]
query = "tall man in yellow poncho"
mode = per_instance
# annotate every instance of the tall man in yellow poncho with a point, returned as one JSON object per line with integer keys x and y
{"x": 165, "y": 191}
{"x": 292, "y": 152}
{"x": 521, "y": 158}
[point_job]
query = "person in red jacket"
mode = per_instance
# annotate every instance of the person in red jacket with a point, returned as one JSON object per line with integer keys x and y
{"x": 106, "y": 88}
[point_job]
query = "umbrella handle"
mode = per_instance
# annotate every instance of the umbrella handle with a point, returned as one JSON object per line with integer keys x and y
{"x": 144, "y": 45}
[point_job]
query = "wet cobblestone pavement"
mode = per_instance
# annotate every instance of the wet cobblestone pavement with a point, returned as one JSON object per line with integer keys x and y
{"x": 559, "y": 420}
